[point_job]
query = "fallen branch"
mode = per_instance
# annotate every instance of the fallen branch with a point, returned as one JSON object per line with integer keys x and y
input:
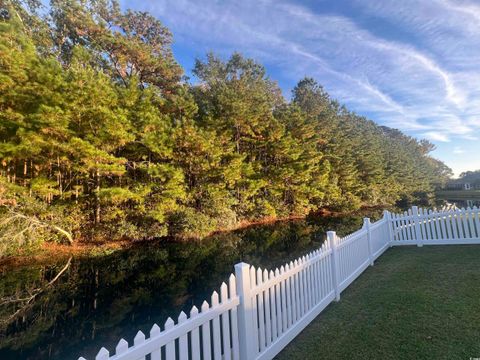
{"x": 28, "y": 300}
{"x": 35, "y": 222}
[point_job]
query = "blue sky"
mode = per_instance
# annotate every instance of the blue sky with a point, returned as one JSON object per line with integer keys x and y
{"x": 409, "y": 64}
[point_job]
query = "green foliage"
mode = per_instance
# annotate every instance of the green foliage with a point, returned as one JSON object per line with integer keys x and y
{"x": 188, "y": 223}
{"x": 26, "y": 221}
{"x": 97, "y": 127}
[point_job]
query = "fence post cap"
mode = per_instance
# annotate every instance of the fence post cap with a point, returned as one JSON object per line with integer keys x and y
{"x": 332, "y": 238}
{"x": 242, "y": 265}
{"x": 366, "y": 220}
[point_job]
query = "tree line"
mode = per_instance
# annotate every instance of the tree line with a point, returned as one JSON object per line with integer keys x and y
{"x": 103, "y": 136}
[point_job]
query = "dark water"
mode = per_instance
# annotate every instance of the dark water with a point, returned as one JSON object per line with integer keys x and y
{"x": 101, "y": 299}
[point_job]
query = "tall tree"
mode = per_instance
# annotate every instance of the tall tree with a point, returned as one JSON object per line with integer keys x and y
{"x": 100, "y": 135}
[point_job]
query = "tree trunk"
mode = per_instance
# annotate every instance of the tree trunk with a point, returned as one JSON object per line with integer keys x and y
{"x": 59, "y": 178}
{"x": 97, "y": 196}
{"x": 24, "y": 172}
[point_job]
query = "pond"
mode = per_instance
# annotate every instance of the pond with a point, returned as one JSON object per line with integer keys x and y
{"x": 100, "y": 299}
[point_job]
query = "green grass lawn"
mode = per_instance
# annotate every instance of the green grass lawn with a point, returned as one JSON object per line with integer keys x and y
{"x": 415, "y": 303}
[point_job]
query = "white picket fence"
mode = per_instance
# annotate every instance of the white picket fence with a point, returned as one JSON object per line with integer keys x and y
{"x": 259, "y": 312}
{"x": 428, "y": 227}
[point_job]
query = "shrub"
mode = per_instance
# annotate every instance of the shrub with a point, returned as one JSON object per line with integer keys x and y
{"x": 189, "y": 223}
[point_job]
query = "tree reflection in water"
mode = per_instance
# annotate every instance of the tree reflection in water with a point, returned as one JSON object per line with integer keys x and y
{"x": 98, "y": 300}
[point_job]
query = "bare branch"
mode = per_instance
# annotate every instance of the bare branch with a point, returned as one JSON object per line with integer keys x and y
{"x": 29, "y": 300}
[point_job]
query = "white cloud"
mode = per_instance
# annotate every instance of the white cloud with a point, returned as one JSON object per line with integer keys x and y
{"x": 458, "y": 150}
{"x": 436, "y": 136}
{"x": 424, "y": 82}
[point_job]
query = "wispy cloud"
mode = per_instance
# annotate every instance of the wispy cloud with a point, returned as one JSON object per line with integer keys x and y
{"x": 436, "y": 136}
{"x": 424, "y": 82}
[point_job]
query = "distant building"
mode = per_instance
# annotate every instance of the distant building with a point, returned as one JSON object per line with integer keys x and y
{"x": 469, "y": 180}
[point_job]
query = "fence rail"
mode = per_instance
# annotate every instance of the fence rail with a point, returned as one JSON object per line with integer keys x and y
{"x": 260, "y": 311}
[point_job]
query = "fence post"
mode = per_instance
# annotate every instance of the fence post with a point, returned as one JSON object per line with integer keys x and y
{"x": 388, "y": 220}
{"x": 245, "y": 312}
{"x": 366, "y": 225}
{"x": 416, "y": 221}
{"x": 332, "y": 240}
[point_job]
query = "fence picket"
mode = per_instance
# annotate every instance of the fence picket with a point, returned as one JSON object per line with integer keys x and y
{"x": 232, "y": 285}
{"x": 403, "y": 225}
{"x": 466, "y": 225}
{"x": 225, "y": 324}
{"x": 470, "y": 223}
{"x": 463, "y": 223}
{"x": 138, "y": 340}
{"x": 441, "y": 218}
{"x": 217, "y": 345}
{"x": 285, "y": 305}
{"x": 454, "y": 224}
{"x": 254, "y": 309}
{"x": 456, "y": 231}
{"x": 310, "y": 282}
{"x": 466, "y": 229}
{"x": 103, "y": 354}
{"x": 325, "y": 276}
{"x": 476, "y": 220}
{"x": 302, "y": 293}
{"x": 206, "y": 339}
{"x": 157, "y": 353}
{"x": 428, "y": 224}
{"x": 438, "y": 232}
{"x": 273, "y": 306}
{"x": 393, "y": 218}
{"x": 413, "y": 228}
{"x": 431, "y": 220}
{"x": 261, "y": 312}
{"x": 406, "y": 226}
{"x": 195, "y": 336}
{"x": 288, "y": 292}
{"x": 330, "y": 277}
{"x": 422, "y": 227}
{"x": 278, "y": 306}
{"x": 268, "y": 319}
{"x": 217, "y": 340}
{"x": 121, "y": 347}
{"x": 170, "y": 347}
{"x": 448, "y": 222}
{"x": 295, "y": 294}
{"x": 461, "y": 230}
{"x": 183, "y": 340}
{"x": 306, "y": 285}
{"x": 315, "y": 280}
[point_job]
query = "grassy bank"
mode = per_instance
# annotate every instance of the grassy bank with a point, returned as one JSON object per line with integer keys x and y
{"x": 415, "y": 303}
